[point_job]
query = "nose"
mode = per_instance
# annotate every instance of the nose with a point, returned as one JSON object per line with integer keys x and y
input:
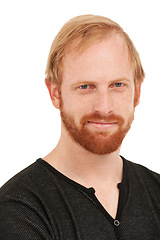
{"x": 103, "y": 102}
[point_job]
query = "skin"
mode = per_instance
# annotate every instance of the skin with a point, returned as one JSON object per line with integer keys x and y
{"x": 99, "y": 80}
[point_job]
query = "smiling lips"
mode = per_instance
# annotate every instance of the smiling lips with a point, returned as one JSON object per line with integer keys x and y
{"x": 101, "y": 124}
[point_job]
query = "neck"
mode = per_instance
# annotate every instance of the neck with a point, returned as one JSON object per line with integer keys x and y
{"x": 84, "y": 167}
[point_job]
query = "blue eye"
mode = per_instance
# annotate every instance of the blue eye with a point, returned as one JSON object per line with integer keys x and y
{"x": 84, "y": 86}
{"x": 118, "y": 84}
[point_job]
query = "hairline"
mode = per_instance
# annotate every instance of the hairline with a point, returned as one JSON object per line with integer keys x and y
{"x": 82, "y": 32}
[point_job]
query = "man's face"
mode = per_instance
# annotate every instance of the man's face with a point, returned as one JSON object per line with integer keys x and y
{"x": 97, "y": 95}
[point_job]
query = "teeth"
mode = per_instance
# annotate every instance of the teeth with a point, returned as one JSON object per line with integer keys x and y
{"x": 101, "y": 122}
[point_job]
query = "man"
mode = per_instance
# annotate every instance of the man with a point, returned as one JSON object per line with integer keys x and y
{"x": 84, "y": 189}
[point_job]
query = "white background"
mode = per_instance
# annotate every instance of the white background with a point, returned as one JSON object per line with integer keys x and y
{"x": 29, "y": 125}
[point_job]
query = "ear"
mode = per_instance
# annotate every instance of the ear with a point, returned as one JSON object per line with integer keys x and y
{"x": 137, "y": 94}
{"x": 54, "y": 93}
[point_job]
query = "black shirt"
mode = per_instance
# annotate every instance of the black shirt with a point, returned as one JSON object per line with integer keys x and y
{"x": 41, "y": 203}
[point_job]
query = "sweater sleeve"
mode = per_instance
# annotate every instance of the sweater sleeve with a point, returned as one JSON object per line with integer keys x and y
{"x": 22, "y": 220}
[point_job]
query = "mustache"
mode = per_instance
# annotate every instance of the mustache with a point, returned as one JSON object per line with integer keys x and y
{"x": 111, "y": 117}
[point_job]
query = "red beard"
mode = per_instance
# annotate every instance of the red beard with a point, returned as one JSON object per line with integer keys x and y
{"x": 97, "y": 142}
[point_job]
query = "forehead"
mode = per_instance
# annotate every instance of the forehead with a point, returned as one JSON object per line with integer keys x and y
{"x": 107, "y": 58}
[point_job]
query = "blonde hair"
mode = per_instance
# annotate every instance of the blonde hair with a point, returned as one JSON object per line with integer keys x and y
{"x": 81, "y": 32}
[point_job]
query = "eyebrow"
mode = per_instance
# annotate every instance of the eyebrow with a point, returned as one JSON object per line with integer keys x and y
{"x": 83, "y": 83}
{"x": 123, "y": 79}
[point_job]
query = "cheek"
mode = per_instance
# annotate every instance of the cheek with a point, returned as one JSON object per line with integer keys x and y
{"x": 73, "y": 107}
{"x": 137, "y": 94}
{"x": 73, "y": 104}
{"x": 125, "y": 105}
{"x": 131, "y": 97}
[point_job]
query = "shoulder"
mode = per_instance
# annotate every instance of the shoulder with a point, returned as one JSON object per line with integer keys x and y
{"x": 22, "y": 207}
{"x": 28, "y": 177}
{"x": 23, "y": 189}
{"x": 143, "y": 176}
{"x": 29, "y": 189}
{"x": 141, "y": 169}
